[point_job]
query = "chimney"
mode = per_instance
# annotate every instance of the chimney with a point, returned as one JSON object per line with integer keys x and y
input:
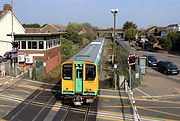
{"x": 6, "y": 7}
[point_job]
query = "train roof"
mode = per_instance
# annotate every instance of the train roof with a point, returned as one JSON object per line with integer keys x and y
{"x": 90, "y": 52}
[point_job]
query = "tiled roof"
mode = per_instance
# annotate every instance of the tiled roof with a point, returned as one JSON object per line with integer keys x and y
{"x": 32, "y": 30}
{"x": 172, "y": 25}
{"x": 2, "y": 14}
{"x": 59, "y": 27}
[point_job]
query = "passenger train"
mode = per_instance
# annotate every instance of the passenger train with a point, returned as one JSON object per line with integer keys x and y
{"x": 81, "y": 74}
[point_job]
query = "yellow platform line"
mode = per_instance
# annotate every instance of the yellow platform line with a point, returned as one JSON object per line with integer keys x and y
{"x": 30, "y": 87}
{"x": 140, "y": 99}
{"x": 55, "y": 107}
{"x": 111, "y": 112}
{"x": 154, "y": 118}
{"x": 3, "y": 120}
{"x": 160, "y": 101}
{"x": 6, "y": 106}
{"x": 156, "y": 107}
{"x": 110, "y": 96}
{"x": 116, "y": 106}
{"x": 21, "y": 90}
{"x": 108, "y": 118}
{"x": 162, "y": 112}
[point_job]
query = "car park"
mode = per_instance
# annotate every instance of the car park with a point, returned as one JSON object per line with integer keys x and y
{"x": 167, "y": 67}
{"x": 151, "y": 60}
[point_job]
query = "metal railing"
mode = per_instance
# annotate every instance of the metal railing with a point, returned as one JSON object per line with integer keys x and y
{"x": 132, "y": 102}
{"x": 9, "y": 83}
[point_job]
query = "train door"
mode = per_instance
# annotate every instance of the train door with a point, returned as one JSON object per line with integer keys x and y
{"x": 78, "y": 77}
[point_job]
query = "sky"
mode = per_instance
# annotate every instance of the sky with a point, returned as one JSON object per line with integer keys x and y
{"x": 144, "y": 13}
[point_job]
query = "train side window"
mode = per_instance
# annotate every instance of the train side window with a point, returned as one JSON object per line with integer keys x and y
{"x": 67, "y": 71}
{"x": 90, "y": 72}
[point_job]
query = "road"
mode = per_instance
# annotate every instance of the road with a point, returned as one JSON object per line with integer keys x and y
{"x": 35, "y": 101}
{"x": 158, "y": 97}
{"x": 159, "y": 93}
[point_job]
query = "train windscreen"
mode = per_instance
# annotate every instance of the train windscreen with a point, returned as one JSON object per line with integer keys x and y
{"x": 90, "y": 72}
{"x": 67, "y": 71}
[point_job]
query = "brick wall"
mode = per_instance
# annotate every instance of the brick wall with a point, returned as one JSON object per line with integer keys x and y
{"x": 52, "y": 63}
{"x": 52, "y": 57}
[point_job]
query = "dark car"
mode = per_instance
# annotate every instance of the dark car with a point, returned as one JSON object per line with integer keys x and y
{"x": 167, "y": 67}
{"x": 10, "y": 54}
{"x": 151, "y": 60}
{"x": 2, "y": 58}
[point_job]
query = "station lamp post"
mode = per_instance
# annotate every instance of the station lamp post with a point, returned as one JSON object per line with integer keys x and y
{"x": 114, "y": 11}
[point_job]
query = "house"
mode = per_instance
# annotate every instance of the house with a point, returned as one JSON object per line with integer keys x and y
{"x": 6, "y": 28}
{"x": 53, "y": 28}
{"x": 82, "y": 31}
{"x": 156, "y": 31}
{"x": 173, "y": 28}
{"x": 39, "y": 50}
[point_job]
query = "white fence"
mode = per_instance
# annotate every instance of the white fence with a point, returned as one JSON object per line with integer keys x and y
{"x": 13, "y": 80}
{"x": 132, "y": 101}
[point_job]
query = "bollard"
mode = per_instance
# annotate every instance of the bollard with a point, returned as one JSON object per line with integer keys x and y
{"x": 126, "y": 86}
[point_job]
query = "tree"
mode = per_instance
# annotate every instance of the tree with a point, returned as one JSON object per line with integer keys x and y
{"x": 152, "y": 39}
{"x": 90, "y": 35}
{"x": 34, "y": 25}
{"x": 44, "y": 25}
{"x": 72, "y": 33}
{"x": 130, "y": 34}
{"x": 165, "y": 43}
{"x": 129, "y": 25}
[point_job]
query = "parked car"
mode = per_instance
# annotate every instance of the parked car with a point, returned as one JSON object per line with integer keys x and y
{"x": 167, "y": 67}
{"x": 2, "y": 58}
{"x": 151, "y": 60}
{"x": 10, "y": 54}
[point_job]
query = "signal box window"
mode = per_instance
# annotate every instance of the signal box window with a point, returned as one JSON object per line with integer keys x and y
{"x": 90, "y": 72}
{"x": 23, "y": 45}
{"x": 67, "y": 71}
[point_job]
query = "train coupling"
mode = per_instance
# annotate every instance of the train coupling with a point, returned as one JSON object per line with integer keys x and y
{"x": 78, "y": 100}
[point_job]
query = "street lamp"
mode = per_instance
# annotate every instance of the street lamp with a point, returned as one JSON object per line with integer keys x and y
{"x": 114, "y": 11}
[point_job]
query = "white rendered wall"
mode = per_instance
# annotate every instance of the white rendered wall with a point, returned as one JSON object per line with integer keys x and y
{"x": 6, "y": 28}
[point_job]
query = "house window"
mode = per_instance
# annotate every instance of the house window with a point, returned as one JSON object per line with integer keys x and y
{"x": 41, "y": 45}
{"x": 29, "y": 45}
{"x": 23, "y": 45}
{"x": 34, "y": 45}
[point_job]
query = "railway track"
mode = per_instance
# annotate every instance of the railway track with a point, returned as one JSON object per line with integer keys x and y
{"x": 80, "y": 113}
{"x": 40, "y": 99}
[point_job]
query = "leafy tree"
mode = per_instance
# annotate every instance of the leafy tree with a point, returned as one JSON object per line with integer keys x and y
{"x": 165, "y": 43}
{"x": 72, "y": 34}
{"x": 90, "y": 35}
{"x": 35, "y": 25}
{"x": 152, "y": 39}
{"x": 130, "y": 34}
{"x": 174, "y": 37}
{"x": 44, "y": 25}
{"x": 129, "y": 25}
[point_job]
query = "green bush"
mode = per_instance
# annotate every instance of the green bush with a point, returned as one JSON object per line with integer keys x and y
{"x": 165, "y": 43}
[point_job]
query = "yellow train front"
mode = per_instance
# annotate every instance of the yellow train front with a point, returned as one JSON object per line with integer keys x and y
{"x": 81, "y": 74}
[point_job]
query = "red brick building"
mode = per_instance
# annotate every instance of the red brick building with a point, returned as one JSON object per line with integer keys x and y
{"x": 39, "y": 50}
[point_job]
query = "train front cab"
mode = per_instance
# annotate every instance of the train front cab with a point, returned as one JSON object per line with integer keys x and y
{"x": 80, "y": 81}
